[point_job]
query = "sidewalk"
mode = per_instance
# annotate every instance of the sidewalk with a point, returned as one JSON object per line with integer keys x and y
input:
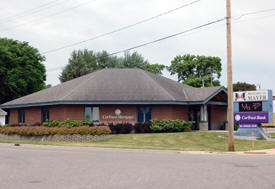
{"x": 269, "y": 152}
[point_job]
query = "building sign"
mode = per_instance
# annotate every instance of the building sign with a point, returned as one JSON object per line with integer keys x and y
{"x": 250, "y": 96}
{"x": 251, "y": 117}
{"x": 250, "y": 106}
{"x": 118, "y": 115}
{"x": 248, "y": 125}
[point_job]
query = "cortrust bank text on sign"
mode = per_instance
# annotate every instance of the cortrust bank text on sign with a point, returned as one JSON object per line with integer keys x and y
{"x": 251, "y": 117}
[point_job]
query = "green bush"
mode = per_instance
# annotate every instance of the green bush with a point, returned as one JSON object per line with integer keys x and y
{"x": 42, "y": 130}
{"x": 169, "y": 125}
{"x": 67, "y": 123}
{"x": 236, "y": 126}
{"x": 121, "y": 128}
{"x": 142, "y": 127}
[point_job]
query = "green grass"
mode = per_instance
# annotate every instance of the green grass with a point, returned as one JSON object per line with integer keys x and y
{"x": 190, "y": 141}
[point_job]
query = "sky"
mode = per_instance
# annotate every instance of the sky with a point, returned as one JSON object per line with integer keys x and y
{"x": 48, "y": 25}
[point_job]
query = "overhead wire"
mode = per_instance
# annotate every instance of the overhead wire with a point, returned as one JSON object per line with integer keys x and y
{"x": 48, "y": 16}
{"x": 31, "y": 11}
{"x": 157, "y": 40}
{"x": 200, "y": 28}
{"x": 121, "y": 28}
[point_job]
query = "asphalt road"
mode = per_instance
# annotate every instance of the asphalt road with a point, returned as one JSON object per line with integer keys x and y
{"x": 40, "y": 167}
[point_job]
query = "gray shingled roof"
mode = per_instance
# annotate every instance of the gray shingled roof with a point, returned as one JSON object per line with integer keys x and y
{"x": 117, "y": 85}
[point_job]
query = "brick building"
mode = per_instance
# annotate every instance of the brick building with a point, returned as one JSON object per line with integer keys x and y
{"x": 122, "y": 95}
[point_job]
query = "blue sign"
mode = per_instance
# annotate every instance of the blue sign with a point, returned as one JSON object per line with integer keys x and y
{"x": 251, "y": 117}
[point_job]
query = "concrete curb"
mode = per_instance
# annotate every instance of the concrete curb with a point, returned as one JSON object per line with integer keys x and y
{"x": 267, "y": 152}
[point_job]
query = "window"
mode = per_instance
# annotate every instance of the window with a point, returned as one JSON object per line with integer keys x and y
{"x": 144, "y": 114}
{"x": 92, "y": 114}
{"x": 21, "y": 115}
{"x": 45, "y": 114}
{"x": 7, "y": 117}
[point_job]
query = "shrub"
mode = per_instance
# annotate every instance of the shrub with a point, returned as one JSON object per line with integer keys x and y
{"x": 41, "y": 130}
{"x": 236, "y": 126}
{"x": 169, "y": 125}
{"x": 67, "y": 123}
{"x": 121, "y": 128}
{"x": 142, "y": 127}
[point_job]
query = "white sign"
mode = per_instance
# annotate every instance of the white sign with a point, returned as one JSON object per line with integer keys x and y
{"x": 118, "y": 116}
{"x": 250, "y": 96}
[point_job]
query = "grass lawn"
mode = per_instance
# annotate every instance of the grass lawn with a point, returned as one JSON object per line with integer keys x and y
{"x": 190, "y": 141}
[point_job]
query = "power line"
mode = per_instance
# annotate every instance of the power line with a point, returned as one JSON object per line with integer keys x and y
{"x": 31, "y": 11}
{"x": 122, "y": 28}
{"x": 199, "y": 27}
{"x": 155, "y": 41}
{"x": 253, "y": 13}
{"x": 51, "y": 15}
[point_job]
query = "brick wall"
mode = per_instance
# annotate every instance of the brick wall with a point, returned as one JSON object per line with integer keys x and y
{"x": 166, "y": 112}
{"x": 218, "y": 117}
{"x": 33, "y": 115}
{"x": 62, "y": 113}
{"x": 218, "y": 114}
{"x": 13, "y": 116}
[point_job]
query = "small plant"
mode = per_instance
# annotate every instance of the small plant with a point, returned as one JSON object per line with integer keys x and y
{"x": 236, "y": 126}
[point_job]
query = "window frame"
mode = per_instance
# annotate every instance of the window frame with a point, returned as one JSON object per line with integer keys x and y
{"x": 90, "y": 110}
{"x": 45, "y": 110}
{"x": 21, "y": 115}
{"x": 146, "y": 112}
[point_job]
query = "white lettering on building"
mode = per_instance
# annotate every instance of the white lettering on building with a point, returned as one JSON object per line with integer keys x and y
{"x": 118, "y": 116}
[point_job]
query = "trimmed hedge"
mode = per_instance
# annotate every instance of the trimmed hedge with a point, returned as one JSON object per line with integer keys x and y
{"x": 170, "y": 126}
{"x": 67, "y": 123}
{"x": 121, "y": 128}
{"x": 156, "y": 126}
{"x": 41, "y": 130}
{"x": 143, "y": 127}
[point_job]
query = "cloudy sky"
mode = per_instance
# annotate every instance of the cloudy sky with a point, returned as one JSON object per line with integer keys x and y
{"x": 48, "y": 24}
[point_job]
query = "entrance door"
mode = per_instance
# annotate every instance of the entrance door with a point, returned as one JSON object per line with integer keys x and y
{"x": 194, "y": 117}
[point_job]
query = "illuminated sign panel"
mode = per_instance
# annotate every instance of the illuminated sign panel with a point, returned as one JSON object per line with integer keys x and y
{"x": 250, "y": 106}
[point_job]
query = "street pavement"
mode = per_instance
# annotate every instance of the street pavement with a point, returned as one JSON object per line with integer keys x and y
{"x": 51, "y": 167}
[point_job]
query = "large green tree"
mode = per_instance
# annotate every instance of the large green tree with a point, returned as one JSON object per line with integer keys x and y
{"x": 21, "y": 69}
{"x": 84, "y": 61}
{"x": 197, "y": 71}
{"x": 243, "y": 86}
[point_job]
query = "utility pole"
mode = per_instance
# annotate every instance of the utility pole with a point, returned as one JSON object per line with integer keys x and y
{"x": 229, "y": 78}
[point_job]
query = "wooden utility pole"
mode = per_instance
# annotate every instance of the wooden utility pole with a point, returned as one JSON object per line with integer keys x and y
{"x": 229, "y": 78}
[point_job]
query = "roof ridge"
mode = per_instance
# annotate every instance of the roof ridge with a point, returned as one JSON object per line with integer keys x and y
{"x": 158, "y": 84}
{"x": 81, "y": 84}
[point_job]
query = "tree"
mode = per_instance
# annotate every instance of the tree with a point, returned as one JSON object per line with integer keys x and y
{"x": 243, "y": 86}
{"x": 197, "y": 71}
{"x": 84, "y": 61}
{"x": 21, "y": 69}
{"x": 76, "y": 67}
